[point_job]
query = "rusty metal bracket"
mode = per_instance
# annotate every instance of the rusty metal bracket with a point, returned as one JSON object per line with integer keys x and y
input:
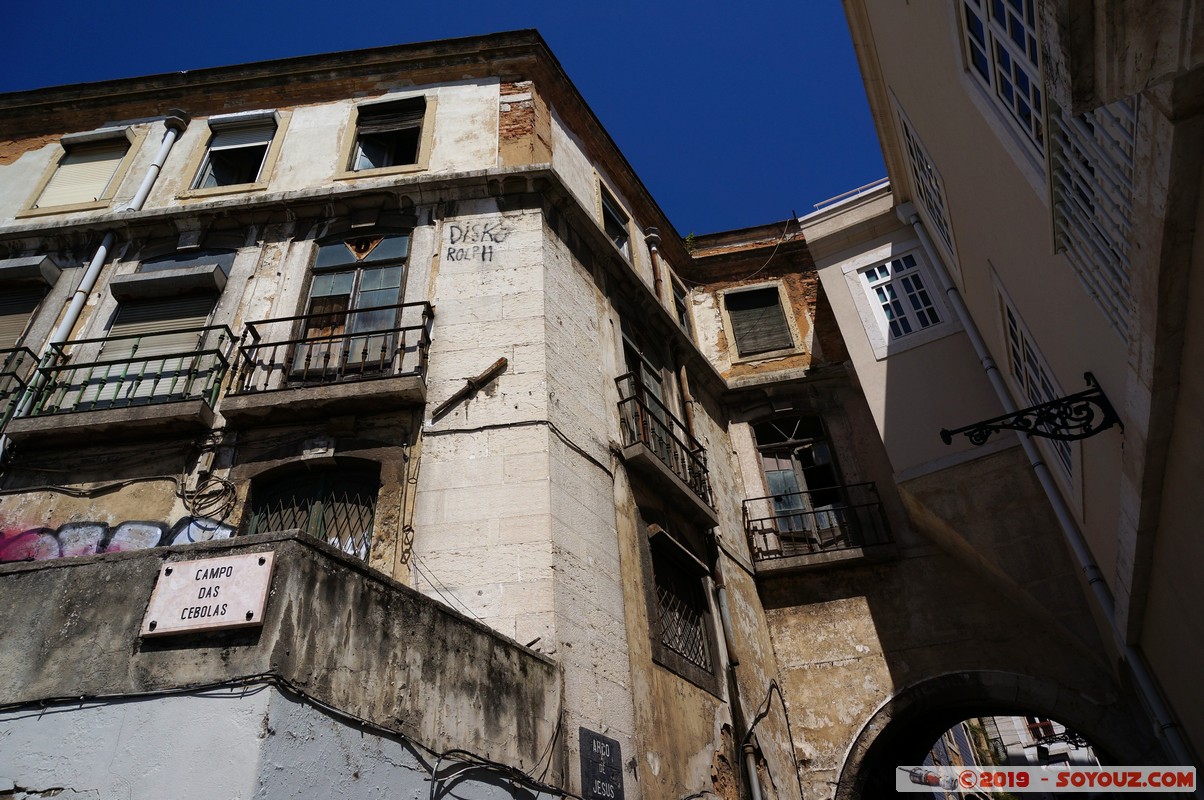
{"x": 471, "y": 387}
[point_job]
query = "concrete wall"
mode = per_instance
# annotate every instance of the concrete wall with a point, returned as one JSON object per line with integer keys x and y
{"x": 339, "y": 632}
{"x": 255, "y": 742}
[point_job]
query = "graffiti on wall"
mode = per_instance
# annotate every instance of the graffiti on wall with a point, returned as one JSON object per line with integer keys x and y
{"x": 19, "y": 543}
{"x": 474, "y": 241}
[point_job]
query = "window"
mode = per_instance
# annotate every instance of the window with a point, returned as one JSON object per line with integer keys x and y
{"x": 236, "y": 155}
{"x": 903, "y": 304}
{"x": 1092, "y": 161}
{"x": 17, "y": 304}
{"x": 681, "y": 607}
{"x": 758, "y": 322}
{"x": 1040, "y": 727}
{"x": 808, "y": 509}
{"x": 388, "y": 134}
{"x": 88, "y": 171}
{"x": 351, "y": 320}
{"x": 614, "y": 222}
{"x": 928, "y": 186}
{"x": 335, "y": 504}
{"x": 1002, "y": 53}
{"x": 1031, "y": 377}
{"x": 681, "y": 306}
{"x": 152, "y": 353}
{"x": 680, "y": 620}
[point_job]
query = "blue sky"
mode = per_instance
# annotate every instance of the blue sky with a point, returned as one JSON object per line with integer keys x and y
{"x": 732, "y": 114}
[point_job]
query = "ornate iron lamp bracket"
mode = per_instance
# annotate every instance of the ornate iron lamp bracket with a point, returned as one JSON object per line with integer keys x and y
{"x": 1075, "y": 416}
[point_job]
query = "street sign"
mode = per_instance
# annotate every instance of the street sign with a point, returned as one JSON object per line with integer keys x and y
{"x": 209, "y": 594}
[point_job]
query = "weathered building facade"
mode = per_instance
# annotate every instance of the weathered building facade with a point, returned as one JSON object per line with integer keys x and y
{"x": 553, "y": 501}
{"x": 401, "y": 319}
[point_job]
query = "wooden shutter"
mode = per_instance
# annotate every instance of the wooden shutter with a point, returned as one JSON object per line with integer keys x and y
{"x": 83, "y": 173}
{"x": 17, "y": 305}
{"x": 383, "y": 117}
{"x": 758, "y": 322}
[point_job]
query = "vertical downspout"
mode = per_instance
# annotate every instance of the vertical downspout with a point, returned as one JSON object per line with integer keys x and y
{"x": 175, "y": 123}
{"x": 1167, "y": 728}
{"x": 652, "y": 237}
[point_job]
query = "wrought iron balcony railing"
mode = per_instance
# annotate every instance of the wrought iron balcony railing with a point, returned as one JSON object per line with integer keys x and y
{"x": 645, "y": 420}
{"x": 816, "y": 521}
{"x": 327, "y": 348}
{"x": 16, "y": 368}
{"x": 145, "y": 369}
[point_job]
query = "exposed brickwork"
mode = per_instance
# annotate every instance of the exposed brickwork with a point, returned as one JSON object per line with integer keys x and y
{"x": 524, "y": 126}
{"x": 772, "y": 253}
{"x": 12, "y": 149}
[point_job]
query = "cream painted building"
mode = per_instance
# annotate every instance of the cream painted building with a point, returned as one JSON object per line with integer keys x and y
{"x": 1039, "y": 227}
{"x": 557, "y": 502}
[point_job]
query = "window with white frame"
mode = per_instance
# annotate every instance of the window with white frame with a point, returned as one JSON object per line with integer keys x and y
{"x": 1002, "y": 53}
{"x": 902, "y": 303}
{"x": 1031, "y": 376}
{"x": 237, "y": 153}
{"x": 929, "y": 188}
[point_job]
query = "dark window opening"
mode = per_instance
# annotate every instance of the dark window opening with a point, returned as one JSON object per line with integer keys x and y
{"x": 681, "y": 308}
{"x": 681, "y": 606}
{"x": 614, "y": 221}
{"x": 236, "y": 155}
{"x": 388, "y": 134}
{"x": 335, "y": 504}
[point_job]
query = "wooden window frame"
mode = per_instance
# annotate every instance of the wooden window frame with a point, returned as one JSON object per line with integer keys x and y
{"x": 351, "y": 134}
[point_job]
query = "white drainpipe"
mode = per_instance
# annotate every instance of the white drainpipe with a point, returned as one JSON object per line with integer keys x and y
{"x": 1166, "y": 727}
{"x": 176, "y": 122}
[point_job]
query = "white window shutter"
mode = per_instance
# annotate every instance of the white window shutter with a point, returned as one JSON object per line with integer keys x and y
{"x": 83, "y": 174}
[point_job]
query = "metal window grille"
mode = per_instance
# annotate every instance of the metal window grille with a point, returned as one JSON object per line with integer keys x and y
{"x": 335, "y": 505}
{"x": 681, "y": 610}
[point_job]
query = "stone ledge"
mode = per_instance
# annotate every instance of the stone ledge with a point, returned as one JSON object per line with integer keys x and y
{"x": 308, "y": 402}
{"x": 90, "y": 427}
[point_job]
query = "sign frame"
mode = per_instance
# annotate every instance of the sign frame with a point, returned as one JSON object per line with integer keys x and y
{"x": 216, "y": 593}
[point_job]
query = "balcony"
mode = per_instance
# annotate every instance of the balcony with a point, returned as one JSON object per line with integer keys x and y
{"x": 318, "y": 364}
{"x": 657, "y": 443}
{"x": 16, "y": 369}
{"x": 812, "y": 528}
{"x": 165, "y": 381}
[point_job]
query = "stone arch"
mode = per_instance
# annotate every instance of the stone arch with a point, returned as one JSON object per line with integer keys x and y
{"x": 904, "y": 728}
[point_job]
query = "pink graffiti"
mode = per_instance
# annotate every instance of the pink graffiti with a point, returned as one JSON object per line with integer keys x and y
{"x": 35, "y": 544}
{"x": 89, "y": 538}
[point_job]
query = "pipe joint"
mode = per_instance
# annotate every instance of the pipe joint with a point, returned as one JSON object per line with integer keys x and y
{"x": 177, "y": 119}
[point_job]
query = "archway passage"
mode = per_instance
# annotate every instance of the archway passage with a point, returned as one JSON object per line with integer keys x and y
{"x": 904, "y": 730}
